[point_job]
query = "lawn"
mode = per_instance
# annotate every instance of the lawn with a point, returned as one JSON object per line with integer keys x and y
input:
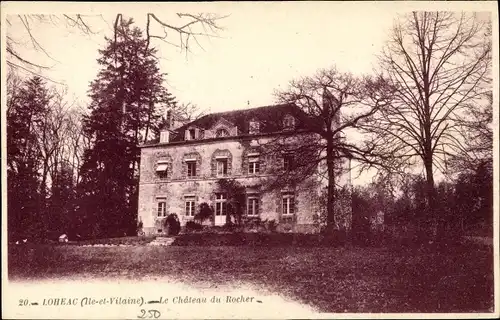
{"x": 342, "y": 279}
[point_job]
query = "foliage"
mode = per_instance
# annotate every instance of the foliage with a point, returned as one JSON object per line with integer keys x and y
{"x": 465, "y": 205}
{"x": 439, "y": 64}
{"x": 205, "y": 212}
{"x": 271, "y": 225}
{"x": 125, "y": 100}
{"x": 362, "y": 209}
{"x": 61, "y": 202}
{"x": 27, "y": 108}
{"x": 342, "y": 206}
{"x": 236, "y": 198}
{"x": 172, "y": 224}
{"x": 193, "y": 226}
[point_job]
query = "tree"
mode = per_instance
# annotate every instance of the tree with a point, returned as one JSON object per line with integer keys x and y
{"x": 236, "y": 197}
{"x": 330, "y": 103}
{"x": 473, "y": 199}
{"x": 477, "y": 148}
{"x": 62, "y": 201}
{"x": 27, "y": 108}
{"x": 439, "y": 63}
{"x": 205, "y": 212}
{"x": 126, "y": 99}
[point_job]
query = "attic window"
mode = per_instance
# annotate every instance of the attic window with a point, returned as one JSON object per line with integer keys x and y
{"x": 192, "y": 134}
{"x": 254, "y": 127}
{"x": 221, "y": 133}
{"x": 288, "y": 122}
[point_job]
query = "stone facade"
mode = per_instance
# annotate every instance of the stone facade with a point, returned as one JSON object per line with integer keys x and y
{"x": 190, "y": 173}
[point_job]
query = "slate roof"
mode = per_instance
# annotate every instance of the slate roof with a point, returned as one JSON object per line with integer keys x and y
{"x": 270, "y": 119}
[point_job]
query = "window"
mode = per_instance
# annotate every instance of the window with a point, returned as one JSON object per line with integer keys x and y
{"x": 192, "y": 134}
{"x": 288, "y": 123}
{"x": 221, "y": 133}
{"x": 221, "y": 167}
{"x": 164, "y": 136}
{"x": 190, "y": 206}
{"x": 253, "y": 205}
{"x": 220, "y": 204}
{"x": 254, "y": 127}
{"x": 288, "y": 162}
{"x": 162, "y": 208}
{"x": 253, "y": 165}
{"x": 288, "y": 201}
{"x": 162, "y": 169}
{"x": 191, "y": 168}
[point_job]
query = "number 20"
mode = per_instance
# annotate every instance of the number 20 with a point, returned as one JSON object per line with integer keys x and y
{"x": 23, "y": 302}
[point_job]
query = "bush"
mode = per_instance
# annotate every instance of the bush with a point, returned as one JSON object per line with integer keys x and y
{"x": 271, "y": 225}
{"x": 205, "y": 212}
{"x": 172, "y": 224}
{"x": 193, "y": 226}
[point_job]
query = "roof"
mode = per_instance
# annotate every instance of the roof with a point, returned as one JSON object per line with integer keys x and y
{"x": 270, "y": 120}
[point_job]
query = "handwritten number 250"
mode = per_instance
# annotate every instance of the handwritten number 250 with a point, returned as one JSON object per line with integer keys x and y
{"x": 149, "y": 314}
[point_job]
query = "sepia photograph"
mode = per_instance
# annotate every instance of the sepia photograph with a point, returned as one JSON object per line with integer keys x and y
{"x": 308, "y": 159}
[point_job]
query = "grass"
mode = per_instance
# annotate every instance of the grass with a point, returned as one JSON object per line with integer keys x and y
{"x": 342, "y": 279}
{"x": 117, "y": 241}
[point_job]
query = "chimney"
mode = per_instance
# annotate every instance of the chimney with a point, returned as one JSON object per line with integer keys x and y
{"x": 333, "y": 104}
{"x": 169, "y": 119}
{"x": 174, "y": 120}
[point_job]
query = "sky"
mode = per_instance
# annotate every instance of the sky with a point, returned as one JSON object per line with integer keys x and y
{"x": 261, "y": 48}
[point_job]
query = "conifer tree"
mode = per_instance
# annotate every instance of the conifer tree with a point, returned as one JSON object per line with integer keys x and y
{"x": 27, "y": 108}
{"x": 127, "y": 101}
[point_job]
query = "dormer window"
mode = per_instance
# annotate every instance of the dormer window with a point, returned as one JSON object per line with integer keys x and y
{"x": 288, "y": 123}
{"x": 192, "y": 134}
{"x": 254, "y": 127}
{"x": 221, "y": 133}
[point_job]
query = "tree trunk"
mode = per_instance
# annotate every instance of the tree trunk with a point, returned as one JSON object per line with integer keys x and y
{"x": 432, "y": 214}
{"x": 330, "y": 205}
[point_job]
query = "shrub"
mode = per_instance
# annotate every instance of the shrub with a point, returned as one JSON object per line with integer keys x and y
{"x": 193, "y": 226}
{"x": 173, "y": 224}
{"x": 231, "y": 227}
{"x": 271, "y": 225}
{"x": 205, "y": 212}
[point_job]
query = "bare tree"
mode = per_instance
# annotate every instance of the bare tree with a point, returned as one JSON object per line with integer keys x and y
{"x": 477, "y": 149}
{"x": 439, "y": 63}
{"x": 188, "y": 28}
{"x": 24, "y": 26}
{"x": 330, "y": 104}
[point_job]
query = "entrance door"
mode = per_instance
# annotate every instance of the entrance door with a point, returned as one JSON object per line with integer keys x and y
{"x": 220, "y": 209}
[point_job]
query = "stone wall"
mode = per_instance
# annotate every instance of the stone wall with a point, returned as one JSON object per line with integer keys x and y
{"x": 176, "y": 185}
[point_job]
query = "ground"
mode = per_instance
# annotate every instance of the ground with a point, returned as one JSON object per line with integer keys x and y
{"x": 342, "y": 279}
